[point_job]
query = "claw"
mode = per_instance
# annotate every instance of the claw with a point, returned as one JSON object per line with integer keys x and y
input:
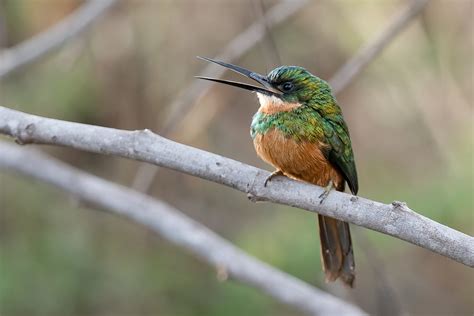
{"x": 326, "y": 191}
{"x": 272, "y": 175}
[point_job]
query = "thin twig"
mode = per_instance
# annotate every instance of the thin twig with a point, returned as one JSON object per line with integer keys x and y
{"x": 177, "y": 228}
{"x": 395, "y": 219}
{"x": 234, "y": 50}
{"x": 385, "y": 296}
{"x": 25, "y": 53}
{"x": 193, "y": 93}
{"x": 270, "y": 49}
{"x": 372, "y": 49}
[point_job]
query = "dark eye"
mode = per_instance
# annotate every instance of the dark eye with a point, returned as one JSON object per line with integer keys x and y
{"x": 287, "y": 86}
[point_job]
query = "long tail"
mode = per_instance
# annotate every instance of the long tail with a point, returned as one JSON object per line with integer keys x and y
{"x": 336, "y": 250}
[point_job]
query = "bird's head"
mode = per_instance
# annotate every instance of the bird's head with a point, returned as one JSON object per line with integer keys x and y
{"x": 284, "y": 87}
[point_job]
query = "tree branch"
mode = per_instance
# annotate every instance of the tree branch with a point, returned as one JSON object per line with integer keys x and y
{"x": 394, "y": 219}
{"x": 371, "y": 50}
{"x": 14, "y": 58}
{"x": 178, "y": 229}
{"x": 242, "y": 43}
{"x": 193, "y": 93}
{"x": 232, "y": 51}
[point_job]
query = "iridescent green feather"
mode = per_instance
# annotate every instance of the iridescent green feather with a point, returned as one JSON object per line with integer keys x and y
{"x": 319, "y": 119}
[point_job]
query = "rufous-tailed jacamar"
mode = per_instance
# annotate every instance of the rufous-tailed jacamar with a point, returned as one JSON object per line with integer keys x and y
{"x": 299, "y": 129}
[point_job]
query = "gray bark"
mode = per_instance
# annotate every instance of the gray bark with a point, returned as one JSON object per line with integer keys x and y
{"x": 395, "y": 219}
{"x": 176, "y": 227}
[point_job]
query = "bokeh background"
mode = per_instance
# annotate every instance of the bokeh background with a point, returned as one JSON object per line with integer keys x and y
{"x": 409, "y": 112}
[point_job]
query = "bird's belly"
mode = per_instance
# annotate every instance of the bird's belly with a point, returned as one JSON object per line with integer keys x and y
{"x": 299, "y": 160}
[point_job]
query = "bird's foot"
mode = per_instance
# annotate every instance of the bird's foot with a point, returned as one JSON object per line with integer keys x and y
{"x": 275, "y": 173}
{"x": 326, "y": 191}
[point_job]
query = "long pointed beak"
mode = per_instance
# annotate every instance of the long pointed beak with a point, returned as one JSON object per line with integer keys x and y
{"x": 266, "y": 89}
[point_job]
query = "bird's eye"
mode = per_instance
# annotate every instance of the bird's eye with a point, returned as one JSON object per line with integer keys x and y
{"x": 287, "y": 86}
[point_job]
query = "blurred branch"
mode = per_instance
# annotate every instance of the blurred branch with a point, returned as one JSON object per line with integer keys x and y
{"x": 343, "y": 77}
{"x": 372, "y": 49}
{"x": 177, "y": 228}
{"x": 394, "y": 219}
{"x": 235, "y": 49}
{"x": 270, "y": 50}
{"x": 384, "y": 295}
{"x": 193, "y": 93}
{"x": 27, "y": 52}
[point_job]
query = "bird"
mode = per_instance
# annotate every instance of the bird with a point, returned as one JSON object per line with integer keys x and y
{"x": 299, "y": 129}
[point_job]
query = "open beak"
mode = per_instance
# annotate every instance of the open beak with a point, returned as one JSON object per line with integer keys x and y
{"x": 266, "y": 88}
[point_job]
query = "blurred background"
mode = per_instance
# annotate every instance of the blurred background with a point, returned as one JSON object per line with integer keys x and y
{"x": 409, "y": 113}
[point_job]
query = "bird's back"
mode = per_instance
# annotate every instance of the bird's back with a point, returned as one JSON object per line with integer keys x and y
{"x": 295, "y": 143}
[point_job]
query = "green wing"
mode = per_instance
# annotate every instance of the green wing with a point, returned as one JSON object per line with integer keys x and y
{"x": 340, "y": 152}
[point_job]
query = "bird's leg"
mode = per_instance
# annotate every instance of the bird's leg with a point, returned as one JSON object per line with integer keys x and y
{"x": 326, "y": 191}
{"x": 272, "y": 175}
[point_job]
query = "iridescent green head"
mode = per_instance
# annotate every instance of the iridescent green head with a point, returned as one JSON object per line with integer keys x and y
{"x": 290, "y": 84}
{"x": 296, "y": 83}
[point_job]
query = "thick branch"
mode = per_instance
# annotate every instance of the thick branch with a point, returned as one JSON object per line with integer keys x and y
{"x": 395, "y": 219}
{"x": 29, "y": 51}
{"x": 178, "y": 229}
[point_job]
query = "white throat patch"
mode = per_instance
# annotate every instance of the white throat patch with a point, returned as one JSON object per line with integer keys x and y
{"x": 272, "y": 104}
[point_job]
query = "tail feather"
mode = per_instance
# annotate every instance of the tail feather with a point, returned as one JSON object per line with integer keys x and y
{"x": 336, "y": 250}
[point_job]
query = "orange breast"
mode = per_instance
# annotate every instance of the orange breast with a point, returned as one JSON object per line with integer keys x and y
{"x": 299, "y": 160}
